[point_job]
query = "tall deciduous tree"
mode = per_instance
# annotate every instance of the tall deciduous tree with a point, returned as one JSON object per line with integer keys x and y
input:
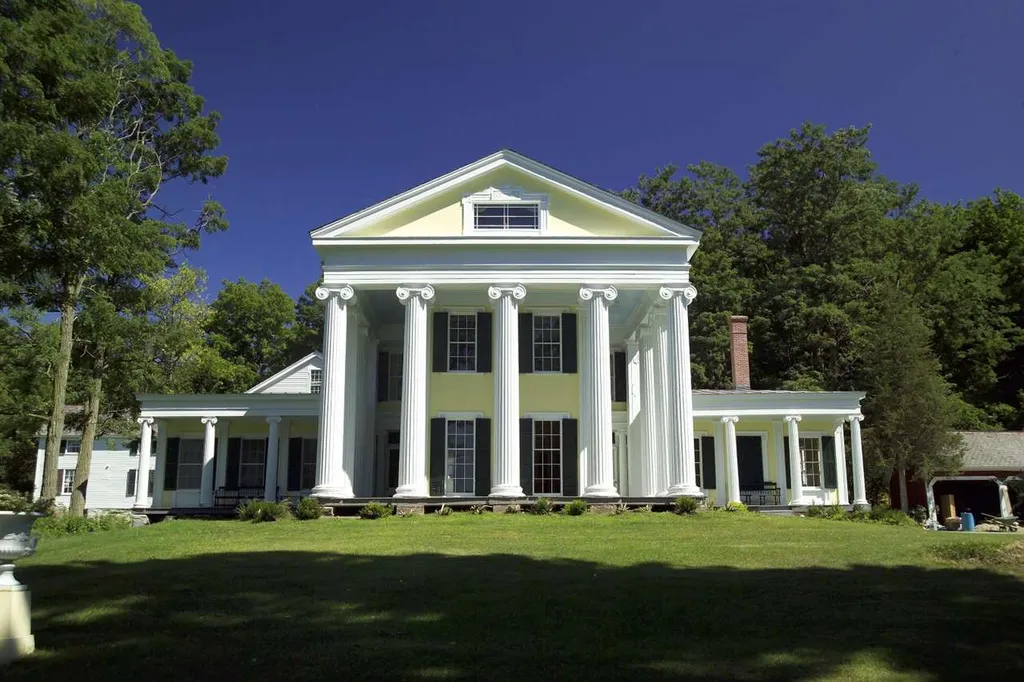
{"x": 308, "y": 332}
{"x": 95, "y": 117}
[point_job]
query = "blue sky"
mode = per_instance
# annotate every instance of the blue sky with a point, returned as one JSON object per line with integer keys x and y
{"x": 331, "y": 106}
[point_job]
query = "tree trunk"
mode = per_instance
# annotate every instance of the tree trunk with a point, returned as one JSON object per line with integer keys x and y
{"x": 92, "y": 413}
{"x": 55, "y": 428}
{"x": 904, "y": 504}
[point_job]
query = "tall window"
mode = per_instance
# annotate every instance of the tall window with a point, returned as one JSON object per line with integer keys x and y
{"x": 547, "y": 343}
{"x": 67, "y": 480}
{"x": 394, "y": 376}
{"x": 810, "y": 453}
{"x": 506, "y": 216}
{"x": 461, "y": 437}
{"x": 547, "y": 457}
{"x": 698, "y": 458}
{"x": 316, "y": 380}
{"x": 462, "y": 343}
{"x": 190, "y": 464}
{"x": 307, "y": 477}
{"x": 252, "y": 462}
{"x": 129, "y": 490}
{"x": 72, "y": 447}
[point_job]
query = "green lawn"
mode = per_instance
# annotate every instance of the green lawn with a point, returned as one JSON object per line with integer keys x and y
{"x": 639, "y": 597}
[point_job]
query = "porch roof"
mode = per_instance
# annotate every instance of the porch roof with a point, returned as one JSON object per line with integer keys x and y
{"x": 754, "y": 403}
{"x": 229, "y": 405}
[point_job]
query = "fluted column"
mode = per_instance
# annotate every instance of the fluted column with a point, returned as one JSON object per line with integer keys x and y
{"x": 161, "y": 464}
{"x": 505, "y": 470}
{"x": 839, "y": 438}
{"x": 796, "y": 465}
{"x": 778, "y": 445}
{"x": 367, "y": 450}
{"x": 682, "y": 462}
{"x": 273, "y": 448}
{"x": 209, "y": 444}
{"x": 586, "y": 404}
{"x": 221, "y": 474}
{"x": 732, "y": 458}
{"x": 646, "y": 469}
{"x": 597, "y": 368}
{"x": 666, "y": 426}
{"x": 332, "y": 479}
{"x": 634, "y": 414}
{"x": 145, "y": 446}
{"x": 859, "y": 489}
{"x": 412, "y": 458}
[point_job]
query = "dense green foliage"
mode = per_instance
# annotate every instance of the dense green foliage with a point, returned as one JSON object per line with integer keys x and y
{"x": 685, "y": 505}
{"x": 58, "y": 526}
{"x": 259, "y": 511}
{"x": 376, "y": 510}
{"x": 575, "y": 508}
{"x": 308, "y": 509}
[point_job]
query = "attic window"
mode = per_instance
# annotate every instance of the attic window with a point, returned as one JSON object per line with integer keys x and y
{"x": 504, "y": 211}
{"x": 506, "y": 216}
{"x": 316, "y": 381}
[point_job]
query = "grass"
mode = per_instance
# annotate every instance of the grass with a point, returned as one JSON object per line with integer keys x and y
{"x": 639, "y": 596}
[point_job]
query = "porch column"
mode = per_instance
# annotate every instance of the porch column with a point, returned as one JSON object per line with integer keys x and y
{"x": 412, "y": 457}
{"x": 721, "y": 472}
{"x": 505, "y": 472}
{"x": 682, "y": 464}
{"x": 646, "y": 477}
{"x": 206, "y": 485}
{"x": 223, "y": 431}
{"x": 368, "y": 451}
{"x": 332, "y": 480}
{"x": 145, "y": 445}
{"x": 586, "y": 402}
{"x": 634, "y": 412}
{"x": 796, "y": 469}
{"x": 839, "y": 438}
{"x": 731, "y": 456}
{"x": 665, "y": 427}
{"x": 161, "y": 464}
{"x": 270, "y": 470}
{"x": 349, "y": 437}
{"x": 597, "y": 368}
{"x": 779, "y": 445}
{"x": 859, "y": 491}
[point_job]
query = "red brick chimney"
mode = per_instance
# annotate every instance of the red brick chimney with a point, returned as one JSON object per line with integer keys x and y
{"x": 739, "y": 353}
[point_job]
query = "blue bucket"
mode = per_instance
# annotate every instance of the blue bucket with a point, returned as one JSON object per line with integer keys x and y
{"x": 967, "y": 520}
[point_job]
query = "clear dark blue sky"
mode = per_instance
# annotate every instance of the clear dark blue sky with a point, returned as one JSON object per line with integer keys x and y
{"x": 331, "y": 106}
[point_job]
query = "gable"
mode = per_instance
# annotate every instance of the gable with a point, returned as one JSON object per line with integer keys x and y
{"x": 292, "y": 379}
{"x": 574, "y": 209}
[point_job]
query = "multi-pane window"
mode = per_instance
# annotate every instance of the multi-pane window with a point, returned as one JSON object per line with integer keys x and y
{"x": 462, "y": 343}
{"x": 190, "y": 464}
{"x": 130, "y": 484}
{"x": 547, "y": 457}
{"x": 506, "y": 216}
{"x": 307, "y": 475}
{"x": 698, "y": 459}
{"x": 72, "y": 447}
{"x": 251, "y": 463}
{"x": 547, "y": 343}
{"x": 810, "y": 453}
{"x": 394, "y": 376}
{"x": 461, "y": 451}
{"x": 316, "y": 381}
{"x": 67, "y": 480}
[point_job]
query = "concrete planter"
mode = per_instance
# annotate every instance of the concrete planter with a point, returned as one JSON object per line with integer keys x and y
{"x": 15, "y": 542}
{"x": 16, "y": 638}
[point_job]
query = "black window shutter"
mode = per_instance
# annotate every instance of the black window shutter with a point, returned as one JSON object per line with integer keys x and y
{"x": 383, "y": 367}
{"x": 569, "y": 355}
{"x": 828, "y": 462}
{"x": 526, "y": 343}
{"x": 440, "y": 342}
{"x": 234, "y": 460}
{"x": 213, "y": 463}
{"x": 294, "y": 464}
{"x": 63, "y": 445}
{"x": 619, "y": 366}
{"x": 266, "y": 453}
{"x": 483, "y": 456}
{"x": 526, "y": 455}
{"x": 171, "y": 465}
{"x": 785, "y": 458}
{"x": 484, "y": 342}
{"x": 707, "y": 462}
{"x": 129, "y": 490}
{"x": 149, "y": 484}
{"x": 438, "y": 439}
{"x": 570, "y": 458}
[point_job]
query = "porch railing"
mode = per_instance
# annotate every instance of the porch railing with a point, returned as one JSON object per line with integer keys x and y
{"x": 768, "y": 493}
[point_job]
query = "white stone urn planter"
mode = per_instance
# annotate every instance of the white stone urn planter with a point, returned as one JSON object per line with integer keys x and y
{"x": 16, "y": 542}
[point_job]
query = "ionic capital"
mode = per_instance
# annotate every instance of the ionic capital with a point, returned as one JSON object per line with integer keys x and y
{"x": 208, "y": 420}
{"x": 608, "y": 293}
{"x": 856, "y": 418}
{"x": 148, "y": 421}
{"x": 405, "y": 293}
{"x": 733, "y": 419}
{"x": 273, "y": 420}
{"x": 496, "y": 291}
{"x": 792, "y": 418}
{"x": 345, "y": 293}
{"x": 687, "y": 292}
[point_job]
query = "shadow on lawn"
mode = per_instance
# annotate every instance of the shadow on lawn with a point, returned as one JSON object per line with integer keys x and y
{"x": 295, "y": 615}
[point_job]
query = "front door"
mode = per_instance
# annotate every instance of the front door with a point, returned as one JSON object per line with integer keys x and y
{"x": 460, "y": 457}
{"x": 393, "y": 443}
{"x": 751, "y": 464}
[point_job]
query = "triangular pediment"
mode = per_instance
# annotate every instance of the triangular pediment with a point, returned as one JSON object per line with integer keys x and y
{"x": 298, "y": 377}
{"x": 443, "y": 207}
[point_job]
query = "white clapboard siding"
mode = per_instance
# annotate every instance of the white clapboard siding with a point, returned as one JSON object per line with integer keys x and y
{"x": 108, "y": 473}
{"x": 293, "y": 379}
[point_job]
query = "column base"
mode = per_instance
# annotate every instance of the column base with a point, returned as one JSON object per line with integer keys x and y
{"x": 16, "y": 638}
{"x": 685, "y": 491}
{"x": 600, "y": 491}
{"x": 507, "y": 491}
{"x": 862, "y": 504}
{"x": 411, "y": 491}
{"x": 331, "y": 491}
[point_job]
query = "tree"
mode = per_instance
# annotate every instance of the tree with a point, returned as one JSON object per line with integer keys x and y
{"x": 95, "y": 119}
{"x": 308, "y": 332}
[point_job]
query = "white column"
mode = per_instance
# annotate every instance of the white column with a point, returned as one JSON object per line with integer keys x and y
{"x": 505, "y": 459}
{"x": 733, "y": 459}
{"x": 586, "y": 403}
{"x": 368, "y": 453}
{"x": 666, "y": 427}
{"x": 597, "y": 368}
{"x": 223, "y": 432}
{"x": 349, "y": 440}
{"x": 145, "y": 445}
{"x": 779, "y": 445}
{"x": 206, "y": 486}
{"x": 332, "y": 479}
{"x": 796, "y": 467}
{"x": 282, "y": 456}
{"x": 682, "y": 463}
{"x": 839, "y": 438}
{"x": 270, "y": 470}
{"x": 859, "y": 489}
{"x": 412, "y": 459}
{"x": 647, "y": 479}
{"x": 721, "y": 472}
{"x": 634, "y": 412}
{"x": 161, "y": 464}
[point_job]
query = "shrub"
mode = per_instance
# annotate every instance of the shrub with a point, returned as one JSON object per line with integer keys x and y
{"x": 827, "y": 511}
{"x": 575, "y": 508}
{"x": 890, "y": 516}
{"x": 112, "y": 521}
{"x": 685, "y": 505}
{"x": 861, "y": 515}
{"x": 738, "y": 507}
{"x": 646, "y": 509}
{"x": 919, "y": 514}
{"x": 259, "y": 511}
{"x": 621, "y": 509}
{"x": 12, "y": 500}
{"x": 985, "y": 552}
{"x": 376, "y": 510}
{"x": 445, "y": 510}
{"x": 542, "y": 506}
{"x": 59, "y": 526}
{"x": 308, "y": 509}
{"x": 478, "y": 509}
{"x": 513, "y": 509}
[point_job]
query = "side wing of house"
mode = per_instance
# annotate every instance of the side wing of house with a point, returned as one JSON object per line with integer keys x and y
{"x": 303, "y": 376}
{"x": 113, "y": 472}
